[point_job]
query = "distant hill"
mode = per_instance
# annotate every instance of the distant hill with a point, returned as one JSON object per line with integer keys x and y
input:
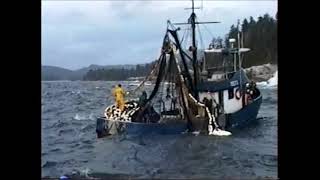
{"x": 53, "y": 73}
{"x": 118, "y": 73}
{"x": 83, "y": 71}
{"x": 56, "y": 73}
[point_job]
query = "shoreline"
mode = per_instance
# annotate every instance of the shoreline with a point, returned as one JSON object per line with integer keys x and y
{"x": 261, "y": 72}
{"x": 256, "y": 73}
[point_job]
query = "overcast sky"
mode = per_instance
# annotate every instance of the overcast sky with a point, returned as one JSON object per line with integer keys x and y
{"x": 76, "y": 34}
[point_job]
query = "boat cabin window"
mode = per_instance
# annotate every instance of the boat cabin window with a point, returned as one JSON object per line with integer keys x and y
{"x": 230, "y": 93}
{"x": 230, "y": 75}
{"x": 214, "y": 62}
{"x": 218, "y": 63}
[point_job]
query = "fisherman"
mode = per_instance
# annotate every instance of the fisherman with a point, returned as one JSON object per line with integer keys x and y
{"x": 207, "y": 103}
{"x": 255, "y": 91}
{"x": 119, "y": 94}
{"x": 143, "y": 98}
{"x": 168, "y": 93}
{"x": 251, "y": 92}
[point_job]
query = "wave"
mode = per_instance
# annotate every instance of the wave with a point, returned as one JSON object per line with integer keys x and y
{"x": 48, "y": 164}
{"x": 79, "y": 117}
{"x": 271, "y": 83}
{"x": 84, "y": 117}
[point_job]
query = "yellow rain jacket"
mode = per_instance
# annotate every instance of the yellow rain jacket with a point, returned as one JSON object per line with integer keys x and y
{"x": 119, "y": 93}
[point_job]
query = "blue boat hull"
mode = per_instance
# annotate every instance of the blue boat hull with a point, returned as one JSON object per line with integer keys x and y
{"x": 157, "y": 128}
{"x": 245, "y": 116}
{"x": 107, "y": 127}
{"x": 238, "y": 119}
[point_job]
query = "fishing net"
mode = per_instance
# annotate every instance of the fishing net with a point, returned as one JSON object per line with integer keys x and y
{"x": 171, "y": 99}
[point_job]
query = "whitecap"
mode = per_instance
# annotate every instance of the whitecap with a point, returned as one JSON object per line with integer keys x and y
{"x": 271, "y": 83}
{"x": 79, "y": 117}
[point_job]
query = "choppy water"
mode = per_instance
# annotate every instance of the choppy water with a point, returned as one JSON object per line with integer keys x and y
{"x": 70, "y": 146}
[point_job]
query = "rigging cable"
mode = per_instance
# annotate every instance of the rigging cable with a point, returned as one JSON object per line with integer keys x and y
{"x": 187, "y": 39}
{"x": 183, "y": 36}
{"x": 207, "y": 29}
{"x": 202, "y": 44}
{"x": 200, "y": 36}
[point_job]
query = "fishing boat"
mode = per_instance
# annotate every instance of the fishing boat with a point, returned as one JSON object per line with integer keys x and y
{"x": 188, "y": 94}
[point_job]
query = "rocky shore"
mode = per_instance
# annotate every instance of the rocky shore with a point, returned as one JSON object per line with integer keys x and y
{"x": 262, "y": 72}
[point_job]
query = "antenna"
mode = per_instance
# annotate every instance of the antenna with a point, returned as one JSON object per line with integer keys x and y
{"x": 195, "y": 22}
{"x": 242, "y": 45}
{"x": 201, "y": 5}
{"x": 193, "y": 8}
{"x": 239, "y": 43}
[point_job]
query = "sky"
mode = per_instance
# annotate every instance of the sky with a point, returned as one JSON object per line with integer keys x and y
{"x": 76, "y": 34}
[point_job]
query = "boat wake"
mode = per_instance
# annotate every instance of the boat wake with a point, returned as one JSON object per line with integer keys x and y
{"x": 271, "y": 83}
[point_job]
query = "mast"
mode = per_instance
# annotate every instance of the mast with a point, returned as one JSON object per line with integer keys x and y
{"x": 239, "y": 45}
{"x": 193, "y": 48}
{"x": 194, "y": 52}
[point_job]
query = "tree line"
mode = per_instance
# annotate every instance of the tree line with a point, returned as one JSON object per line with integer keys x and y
{"x": 115, "y": 74}
{"x": 261, "y": 37}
